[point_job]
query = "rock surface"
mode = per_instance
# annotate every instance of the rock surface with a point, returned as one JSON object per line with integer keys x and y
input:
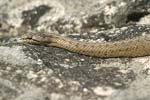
{"x": 30, "y": 72}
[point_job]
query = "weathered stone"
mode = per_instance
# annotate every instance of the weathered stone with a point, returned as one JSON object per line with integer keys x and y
{"x": 30, "y": 72}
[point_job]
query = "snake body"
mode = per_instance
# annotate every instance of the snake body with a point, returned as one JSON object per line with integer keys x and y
{"x": 139, "y": 46}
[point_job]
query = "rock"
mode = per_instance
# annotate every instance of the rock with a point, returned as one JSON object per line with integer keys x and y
{"x": 31, "y": 72}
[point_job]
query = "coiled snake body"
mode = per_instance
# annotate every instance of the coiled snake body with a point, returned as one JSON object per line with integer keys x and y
{"x": 139, "y": 46}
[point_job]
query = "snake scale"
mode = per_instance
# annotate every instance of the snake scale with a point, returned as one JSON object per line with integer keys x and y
{"x": 138, "y": 46}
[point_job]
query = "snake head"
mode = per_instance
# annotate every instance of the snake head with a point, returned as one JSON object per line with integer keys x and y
{"x": 39, "y": 38}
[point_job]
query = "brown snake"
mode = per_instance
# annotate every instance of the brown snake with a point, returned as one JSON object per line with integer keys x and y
{"x": 139, "y": 46}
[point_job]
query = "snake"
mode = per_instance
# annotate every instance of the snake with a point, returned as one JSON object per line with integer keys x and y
{"x": 135, "y": 47}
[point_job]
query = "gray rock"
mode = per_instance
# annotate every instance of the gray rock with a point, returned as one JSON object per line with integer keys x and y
{"x": 31, "y": 72}
{"x": 33, "y": 94}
